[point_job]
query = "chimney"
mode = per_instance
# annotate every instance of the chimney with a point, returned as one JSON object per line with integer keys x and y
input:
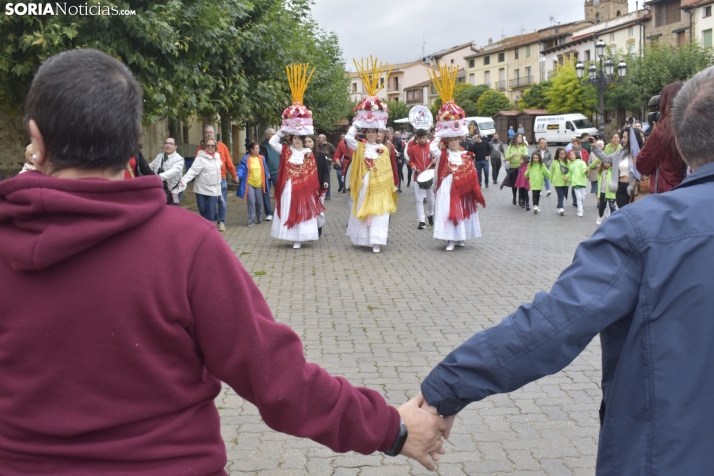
{"x": 490, "y": 41}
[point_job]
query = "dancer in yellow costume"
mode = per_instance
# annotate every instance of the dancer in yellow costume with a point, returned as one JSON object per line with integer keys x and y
{"x": 372, "y": 183}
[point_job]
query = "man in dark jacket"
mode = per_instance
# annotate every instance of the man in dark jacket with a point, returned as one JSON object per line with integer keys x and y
{"x": 643, "y": 282}
{"x": 273, "y": 159}
{"x": 498, "y": 151}
{"x": 482, "y": 151}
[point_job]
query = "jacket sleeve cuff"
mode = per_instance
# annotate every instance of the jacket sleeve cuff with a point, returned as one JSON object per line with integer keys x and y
{"x": 392, "y": 430}
{"x": 446, "y": 406}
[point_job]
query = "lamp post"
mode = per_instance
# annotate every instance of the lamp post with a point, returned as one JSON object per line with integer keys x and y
{"x": 602, "y": 77}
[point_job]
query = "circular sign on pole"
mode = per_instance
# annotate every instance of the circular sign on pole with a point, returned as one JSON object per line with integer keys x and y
{"x": 420, "y": 117}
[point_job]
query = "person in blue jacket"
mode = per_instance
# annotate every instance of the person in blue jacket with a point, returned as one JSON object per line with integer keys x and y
{"x": 644, "y": 282}
{"x": 254, "y": 177}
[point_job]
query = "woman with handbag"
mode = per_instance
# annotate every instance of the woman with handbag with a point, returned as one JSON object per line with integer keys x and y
{"x": 622, "y": 161}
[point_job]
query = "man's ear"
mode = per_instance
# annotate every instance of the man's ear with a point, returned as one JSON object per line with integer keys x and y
{"x": 38, "y": 147}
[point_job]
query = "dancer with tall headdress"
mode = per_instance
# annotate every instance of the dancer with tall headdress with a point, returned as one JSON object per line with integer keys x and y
{"x": 456, "y": 186}
{"x": 373, "y": 181}
{"x": 297, "y": 193}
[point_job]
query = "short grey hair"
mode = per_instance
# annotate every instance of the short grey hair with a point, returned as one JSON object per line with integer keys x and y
{"x": 692, "y": 117}
{"x": 269, "y": 131}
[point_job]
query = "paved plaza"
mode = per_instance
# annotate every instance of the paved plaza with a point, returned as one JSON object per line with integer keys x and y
{"x": 384, "y": 320}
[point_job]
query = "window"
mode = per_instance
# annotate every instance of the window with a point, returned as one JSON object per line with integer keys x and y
{"x": 631, "y": 31}
{"x": 501, "y": 57}
{"x": 631, "y": 46}
{"x": 587, "y": 55}
{"x": 612, "y": 37}
{"x": 517, "y": 73}
{"x": 667, "y": 13}
{"x": 472, "y": 78}
{"x": 528, "y": 51}
{"x": 516, "y": 52}
{"x": 354, "y": 87}
{"x": 681, "y": 38}
{"x": 396, "y": 82}
{"x": 487, "y": 60}
{"x": 462, "y": 79}
{"x": 452, "y": 61}
{"x": 528, "y": 73}
{"x": 707, "y": 38}
{"x": 707, "y": 11}
{"x": 487, "y": 78}
{"x": 471, "y": 63}
{"x": 381, "y": 82}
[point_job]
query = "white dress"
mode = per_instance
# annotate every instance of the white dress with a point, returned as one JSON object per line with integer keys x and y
{"x": 303, "y": 231}
{"x": 444, "y": 229}
{"x": 375, "y": 229}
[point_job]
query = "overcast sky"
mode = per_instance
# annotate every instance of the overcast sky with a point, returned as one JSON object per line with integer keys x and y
{"x": 397, "y": 29}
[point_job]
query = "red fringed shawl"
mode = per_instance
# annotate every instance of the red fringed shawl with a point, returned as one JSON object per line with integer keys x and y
{"x": 465, "y": 190}
{"x": 305, "y": 201}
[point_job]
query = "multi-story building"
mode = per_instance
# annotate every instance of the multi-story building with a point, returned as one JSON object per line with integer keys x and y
{"x": 454, "y": 56}
{"x": 513, "y": 64}
{"x": 700, "y": 12}
{"x": 671, "y": 24}
{"x": 625, "y": 33}
{"x": 402, "y": 75}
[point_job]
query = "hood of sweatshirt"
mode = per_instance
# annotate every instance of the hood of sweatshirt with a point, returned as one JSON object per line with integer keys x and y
{"x": 45, "y": 220}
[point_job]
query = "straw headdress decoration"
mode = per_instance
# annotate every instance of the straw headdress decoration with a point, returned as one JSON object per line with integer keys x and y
{"x": 298, "y": 80}
{"x": 445, "y": 82}
{"x": 370, "y": 73}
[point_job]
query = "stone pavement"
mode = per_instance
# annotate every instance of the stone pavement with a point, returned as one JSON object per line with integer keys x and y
{"x": 384, "y": 320}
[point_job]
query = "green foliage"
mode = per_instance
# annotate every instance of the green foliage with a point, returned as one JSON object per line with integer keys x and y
{"x": 658, "y": 66}
{"x": 397, "y": 110}
{"x": 192, "y": 57}
{"x": 466, "y": 96}
{"x": 535, "y": 97}
{"x": 570, "y": 95}
{"x": 492, "y": 102}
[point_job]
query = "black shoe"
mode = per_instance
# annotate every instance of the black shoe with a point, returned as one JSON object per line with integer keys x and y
{"x": 421, "y": 226}
{"x": 327, "y": 198}
{"x": 495, "y": 183}
{"x": 319, "y": 231}
{"x": 528, "y": 208}
{"x": 399, "y": 190}
{"x": 486, "y": 184}
{"x": 431, "y": 220}
{"x": 344, "y": 190}
{"x": 575, "y": 205}
{"x": 514, "y": 202}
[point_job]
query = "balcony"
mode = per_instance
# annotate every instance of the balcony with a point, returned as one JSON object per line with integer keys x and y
{"x": 392, "y": 88}
{"x": 500, "y": 85}
{"x": 522, "y": 82}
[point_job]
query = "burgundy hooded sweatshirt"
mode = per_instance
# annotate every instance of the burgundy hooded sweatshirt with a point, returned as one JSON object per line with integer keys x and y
{"x": 120, "y": 315}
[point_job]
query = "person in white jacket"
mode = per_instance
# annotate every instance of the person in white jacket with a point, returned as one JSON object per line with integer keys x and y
{"x": 206, "y": 169}
{"x": 169, "y": 166}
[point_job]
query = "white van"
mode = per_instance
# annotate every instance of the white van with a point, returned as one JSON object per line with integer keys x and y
{"x": 481, "y": 125}
{"x": 560, "y": 129}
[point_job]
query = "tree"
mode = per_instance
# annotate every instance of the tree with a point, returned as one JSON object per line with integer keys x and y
{"x": 397, "y": 110}
{"x": 466, "y": 96}
{"x": 192, "y": 57}
{"x": 492, "y": 102}
{"x": 658, "y": 66}
{"x": 535, "y": 97}
{"x": 569, "y": 94}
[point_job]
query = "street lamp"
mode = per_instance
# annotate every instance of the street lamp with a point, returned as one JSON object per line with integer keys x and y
{"x": 602, "y": 77}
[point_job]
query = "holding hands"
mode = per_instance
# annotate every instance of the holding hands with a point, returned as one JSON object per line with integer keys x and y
{"x": 426, "y": 431}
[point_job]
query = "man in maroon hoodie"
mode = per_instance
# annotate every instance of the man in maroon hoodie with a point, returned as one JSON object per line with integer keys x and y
{"x": 121, "y": 316}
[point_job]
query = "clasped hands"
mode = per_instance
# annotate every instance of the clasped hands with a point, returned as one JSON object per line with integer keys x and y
{"x": 426, "y": 431}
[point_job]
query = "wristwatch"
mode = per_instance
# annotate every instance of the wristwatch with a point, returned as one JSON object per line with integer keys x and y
{"x": 401, "y": 439}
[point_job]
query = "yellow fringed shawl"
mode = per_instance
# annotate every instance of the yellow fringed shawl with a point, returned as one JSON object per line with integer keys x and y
{"x": 380, "y": 196}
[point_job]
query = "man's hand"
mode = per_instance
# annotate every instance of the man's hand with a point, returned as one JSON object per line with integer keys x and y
{"x": 426, "y": 429}
{"x": 433, "y": 161}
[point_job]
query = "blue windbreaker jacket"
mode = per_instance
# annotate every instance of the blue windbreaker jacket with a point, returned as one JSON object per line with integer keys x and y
{"x": 643, "y": 282}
